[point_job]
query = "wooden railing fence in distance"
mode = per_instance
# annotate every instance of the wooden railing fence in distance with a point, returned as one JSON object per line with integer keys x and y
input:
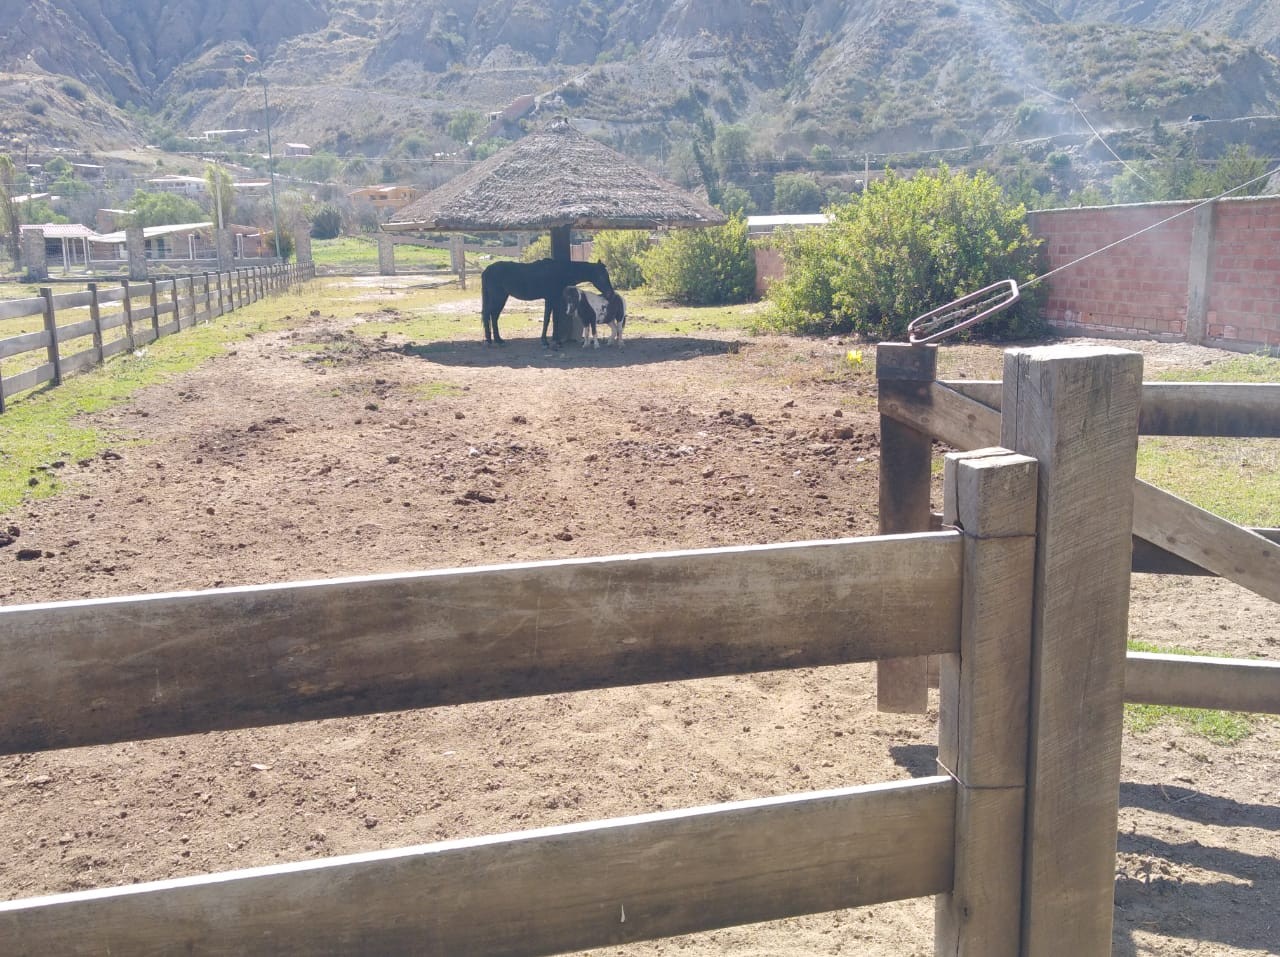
{"x": 181, "y": 301}
{"x": 180, "y": 663}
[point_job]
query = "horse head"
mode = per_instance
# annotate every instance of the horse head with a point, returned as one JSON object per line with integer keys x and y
{"x": 599, "y": 277}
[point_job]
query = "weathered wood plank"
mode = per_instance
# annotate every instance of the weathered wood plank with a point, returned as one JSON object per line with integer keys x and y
{"x": 984, "y": 692}
{"x": 1231, "y": 409}
{"x": 73, "y": 300}
{"x": 1154, "y": 560}
{"x": 944, "y": 414}
{"x": 13, "y": 384}
{"x": 1188, "y": 681}
{"x": 902, "y": 372}
{"x": 546, "y": 891}
{"x": 1075, "y": 410}
{"x": 20, "y": 308}
{"x": 105, "y": 670}
{"x": 1200, "y": 537}
{"x": 75, "y": 330}
{"x": 1227, "y": 409}
{"x": 112, "y": 320}
{"x": 112, "y": 294}
{"x": 115, "y": 347}
{"x": 27, "y": 342}
{"x": 81, "y": 360}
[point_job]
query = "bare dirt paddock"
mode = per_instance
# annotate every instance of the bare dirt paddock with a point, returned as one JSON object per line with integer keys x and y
{"x": 313, "y": 453}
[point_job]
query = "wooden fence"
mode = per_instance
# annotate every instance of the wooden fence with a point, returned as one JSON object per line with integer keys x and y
{"x": 1161, "y": 533}
{"x": 111, "y": 320}
{"x": 995, "y": 596}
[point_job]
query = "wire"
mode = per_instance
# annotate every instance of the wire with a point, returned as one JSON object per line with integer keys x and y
{"x": 1147, "y": 229}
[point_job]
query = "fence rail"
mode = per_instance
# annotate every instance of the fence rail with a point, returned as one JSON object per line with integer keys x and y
{"x": 238, "y": 657}
{"x": 147, "y": 311}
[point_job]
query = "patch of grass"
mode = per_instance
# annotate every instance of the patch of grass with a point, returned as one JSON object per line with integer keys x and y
{"x": 643, "y": 307}
{"x": 1220, "y": 727}
{"x": 361, "y": 253}
{"x": 1255, "y": 367}
{"x": 44, "y": 426}
{"x": 1238, "y": 479}
{"x": 437, "y": 390}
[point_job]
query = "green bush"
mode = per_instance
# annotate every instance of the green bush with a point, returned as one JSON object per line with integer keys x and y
{"x": 702, "y": 267}
{"x": 620, "y": 250}
{"x": 904, "y": 248}
{"x": 540, "y": 248}
{"x": 327, "y": 222}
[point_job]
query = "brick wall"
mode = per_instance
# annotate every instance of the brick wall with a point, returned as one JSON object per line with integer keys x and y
{"x": 1211, "y": 275}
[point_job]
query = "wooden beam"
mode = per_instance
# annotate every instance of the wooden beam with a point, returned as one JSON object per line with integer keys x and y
{"x": 26, "y": 342}
{"x": 1075, "y": 410}
{"x": 101, "y": 670}
{"x": 1200, "y": 537}
{"x": 903, "y": 372}
{"x": 540, "y": 892}
{"x": 18, "y": 308}
{"x": 1191, "y": 681}
{"x": 944, "y": 414}
{"x": 1226, "y": 409}
{"x": 984, "y": 693}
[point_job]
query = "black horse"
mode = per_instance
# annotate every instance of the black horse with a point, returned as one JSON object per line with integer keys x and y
{"x": 544, "y": 279}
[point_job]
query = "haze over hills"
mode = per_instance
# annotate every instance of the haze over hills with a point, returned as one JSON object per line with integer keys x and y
{"x": 385, "y": 78}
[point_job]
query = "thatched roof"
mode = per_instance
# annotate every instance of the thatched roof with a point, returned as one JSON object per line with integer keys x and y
{"x": 552, "y": 178}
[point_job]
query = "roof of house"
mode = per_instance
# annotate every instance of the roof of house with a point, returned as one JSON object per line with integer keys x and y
{"x": 63, "y": 230}
{"x": 555, "y": 177}
{"x": 150, "y": 232}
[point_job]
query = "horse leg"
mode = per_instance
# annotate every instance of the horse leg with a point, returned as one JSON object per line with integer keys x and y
{"x": 546, "y": 321}
{"x": 492, "y": 310}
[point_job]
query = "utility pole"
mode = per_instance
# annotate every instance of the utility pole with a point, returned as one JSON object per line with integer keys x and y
{"x": 271, "y": 164}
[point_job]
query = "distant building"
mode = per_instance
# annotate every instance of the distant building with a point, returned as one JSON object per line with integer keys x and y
{"x": 297, "y": 149}
{"x": 227, "y": 136}
{"x": 386, "y": 197}
{"x": 183, "y": 185}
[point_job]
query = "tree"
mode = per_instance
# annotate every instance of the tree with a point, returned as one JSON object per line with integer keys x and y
{"x": 904, "y": 248}
{"x": 703, "y": 267}
{"x": 731, "y": 145}
{"x": 796, "y": 193}
{"x": 164, "y": 209}
{"x": 464, "y": 125}
{"x": 326, "y": 223}
{"x": 8, "y": 211}
{"x": 222, "y": 193}
{"x": 735, "y": 199}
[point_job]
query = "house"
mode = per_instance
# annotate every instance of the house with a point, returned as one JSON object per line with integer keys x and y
{"x": 385, "y": 197}
{"x": 297, "y": 149}
{"x": 183, "y": 185}
{"x": 227, "y": 136}
{"x": 68, "y": 242}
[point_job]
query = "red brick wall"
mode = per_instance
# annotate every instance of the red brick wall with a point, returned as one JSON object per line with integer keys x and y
{"x": 1141, "y": 288}
{"x": 1244, "y": 291}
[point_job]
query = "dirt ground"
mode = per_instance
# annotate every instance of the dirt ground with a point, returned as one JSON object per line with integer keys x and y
{"x": 313, "y": 453}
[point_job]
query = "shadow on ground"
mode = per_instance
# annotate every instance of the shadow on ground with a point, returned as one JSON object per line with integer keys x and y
{"x": 528, "y": 353}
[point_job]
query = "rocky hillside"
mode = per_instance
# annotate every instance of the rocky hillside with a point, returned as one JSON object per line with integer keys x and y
{"x": 379, "y": 78}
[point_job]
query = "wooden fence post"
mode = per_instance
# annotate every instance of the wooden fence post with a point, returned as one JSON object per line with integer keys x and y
{"x": 173, "y": 294}
{"x": 902, "y": 684}
{"x": 1075, "y": 410}
{"x": 208, "y": 300}
{"x": 155, "y": 311}
{"x": 127, "y": 302}
{"x": 51, "y": 327}
{"x": 983, "y": 693}
{"x": 95, "y": 316}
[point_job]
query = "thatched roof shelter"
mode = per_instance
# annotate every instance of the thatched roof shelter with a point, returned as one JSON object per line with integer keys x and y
{"x": 555, "y": 179}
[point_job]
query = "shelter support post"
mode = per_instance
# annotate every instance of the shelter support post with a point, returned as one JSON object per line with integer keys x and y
{"x": 560, "y": 251}
{"x": 902, "y": 685}
{"x": 1075, "y": 410}
{"x": 386, "y": 255}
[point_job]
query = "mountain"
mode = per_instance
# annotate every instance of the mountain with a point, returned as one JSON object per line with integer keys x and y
{"x": 386, "y": 78}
